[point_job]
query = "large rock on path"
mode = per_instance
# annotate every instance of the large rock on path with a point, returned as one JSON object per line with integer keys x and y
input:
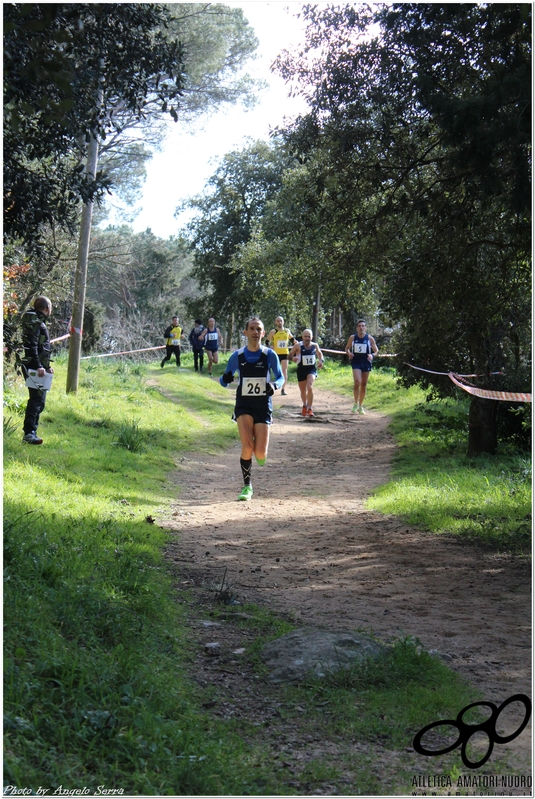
{"x": 310, "y": 650}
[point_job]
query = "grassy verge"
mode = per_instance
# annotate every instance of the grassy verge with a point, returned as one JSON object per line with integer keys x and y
{"x": 435, "y": 485}
{"x": 95, "y": 688}
{"x": 97, "y": 652}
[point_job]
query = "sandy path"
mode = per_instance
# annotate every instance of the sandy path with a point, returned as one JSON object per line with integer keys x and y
{"x": 307, "y": 547}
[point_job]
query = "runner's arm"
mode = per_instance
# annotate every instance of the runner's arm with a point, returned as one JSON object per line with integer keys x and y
{"x": 275, "y": 366}
{"x": 296, "y": 349}
{"x": 232, "y": 368}
{"x": 319, "y": 356}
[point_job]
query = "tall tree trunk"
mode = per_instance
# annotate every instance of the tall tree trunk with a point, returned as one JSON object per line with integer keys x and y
{"x": 80, "y": 279}
{"x": 316, "y": 316}
{"x": 75, "y": 341}
{"x": 482, "y": 421}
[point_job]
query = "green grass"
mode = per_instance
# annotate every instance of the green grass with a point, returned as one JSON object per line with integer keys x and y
{"x": 392, "y": 692}
{"x": 95, "y": 654}
{"x": 96, "y": 647}
{"x": 383, "y": 699}
{"x": 434, "y": 484}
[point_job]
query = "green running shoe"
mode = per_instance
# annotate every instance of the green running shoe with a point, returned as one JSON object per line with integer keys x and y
{"x": 355, "y": 408}
{"x": 246, "y": 494}
{"x": 261, "y": 461}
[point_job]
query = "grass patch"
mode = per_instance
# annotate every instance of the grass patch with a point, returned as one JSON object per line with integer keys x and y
{"x": 386, "y": 699}
{"x": 95, "y": 686}
{"x": 435, "y": 485}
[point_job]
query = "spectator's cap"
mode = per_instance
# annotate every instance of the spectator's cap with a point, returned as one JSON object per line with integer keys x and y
{"x": 198, "y": 322}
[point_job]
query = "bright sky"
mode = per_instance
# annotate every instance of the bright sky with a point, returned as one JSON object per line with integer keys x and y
{"x": 187, "y": 161}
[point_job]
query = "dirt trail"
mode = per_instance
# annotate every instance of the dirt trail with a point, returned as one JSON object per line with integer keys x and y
{"x": 307, "y": 547}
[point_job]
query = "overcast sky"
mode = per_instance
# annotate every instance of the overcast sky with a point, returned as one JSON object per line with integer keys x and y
{"x": 187, "y": 161}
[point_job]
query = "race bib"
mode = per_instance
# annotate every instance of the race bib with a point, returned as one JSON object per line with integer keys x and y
{"x": 175, "y": 342}
{"x": 308, "y": 360}
{"x": 253, "y": 387}
{"x": 211, "y": 336}
{"x": 282, "y": 345}
{"x": 360, "y": 349}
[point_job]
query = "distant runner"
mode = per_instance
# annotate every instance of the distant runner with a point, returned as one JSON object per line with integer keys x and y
{"x": 253, "y": 411}
{"x": 211, "y": 338}
{"x": 172, "y": 336}
{"x": 361, "y": 348}
{"x": 306, "y": 354}
{"x": 280, "y": 339}
{"x": 196, "y": 345}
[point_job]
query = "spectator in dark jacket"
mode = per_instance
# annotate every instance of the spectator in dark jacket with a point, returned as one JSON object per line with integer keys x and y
{"x": 196, "y": 345}
{"x": 36, "y": 358}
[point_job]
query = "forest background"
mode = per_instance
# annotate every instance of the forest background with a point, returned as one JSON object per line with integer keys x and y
{"x": 402, "y": 194}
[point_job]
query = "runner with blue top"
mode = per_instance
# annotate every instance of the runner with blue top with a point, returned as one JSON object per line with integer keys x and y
{"x": 308, "y": 357}
{"x": 210, "y": 339}
{"x": 361, "y": 348}
{"x": 260, "y": 375}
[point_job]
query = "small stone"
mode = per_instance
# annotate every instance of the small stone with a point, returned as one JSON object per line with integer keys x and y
{"x": 213, "y": 649}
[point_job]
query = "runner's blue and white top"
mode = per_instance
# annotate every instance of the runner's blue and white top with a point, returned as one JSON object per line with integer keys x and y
{"x": 255, "y": 370}
{"x": 361, "y": 349}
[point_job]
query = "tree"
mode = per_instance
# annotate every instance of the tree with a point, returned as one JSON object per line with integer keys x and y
{"x": 179, "y": 59}
{"x": 216, "y": 40}
{"x": 125, "y": 65}
{"x": 235, "y": 199}
{"x": 138, "y": 272}
{"x": 56, "y": 58}
{"x": 424, "y": 132}
{"x": 301, "y": 256}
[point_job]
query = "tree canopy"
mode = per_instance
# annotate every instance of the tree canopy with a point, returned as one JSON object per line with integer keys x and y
{"x": 56, "y": 58}
{"x": 412, "y": 188}
{"x": 227, "y": 212}
{"x": 144, "y": 60}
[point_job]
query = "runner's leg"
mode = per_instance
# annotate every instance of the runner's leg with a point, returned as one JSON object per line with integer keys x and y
{"x": 284, "y": 368}
{"x": 357, "y": 381}
{"x": 363, "y": 384}
{"x": 303, "y": 391}
{"x": 247, "y": 436}
{"x": 261, "y": 441}
{"x": 309, "y": 389}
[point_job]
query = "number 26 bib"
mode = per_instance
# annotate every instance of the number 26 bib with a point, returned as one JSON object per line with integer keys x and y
{"x": 253, "y": 386}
